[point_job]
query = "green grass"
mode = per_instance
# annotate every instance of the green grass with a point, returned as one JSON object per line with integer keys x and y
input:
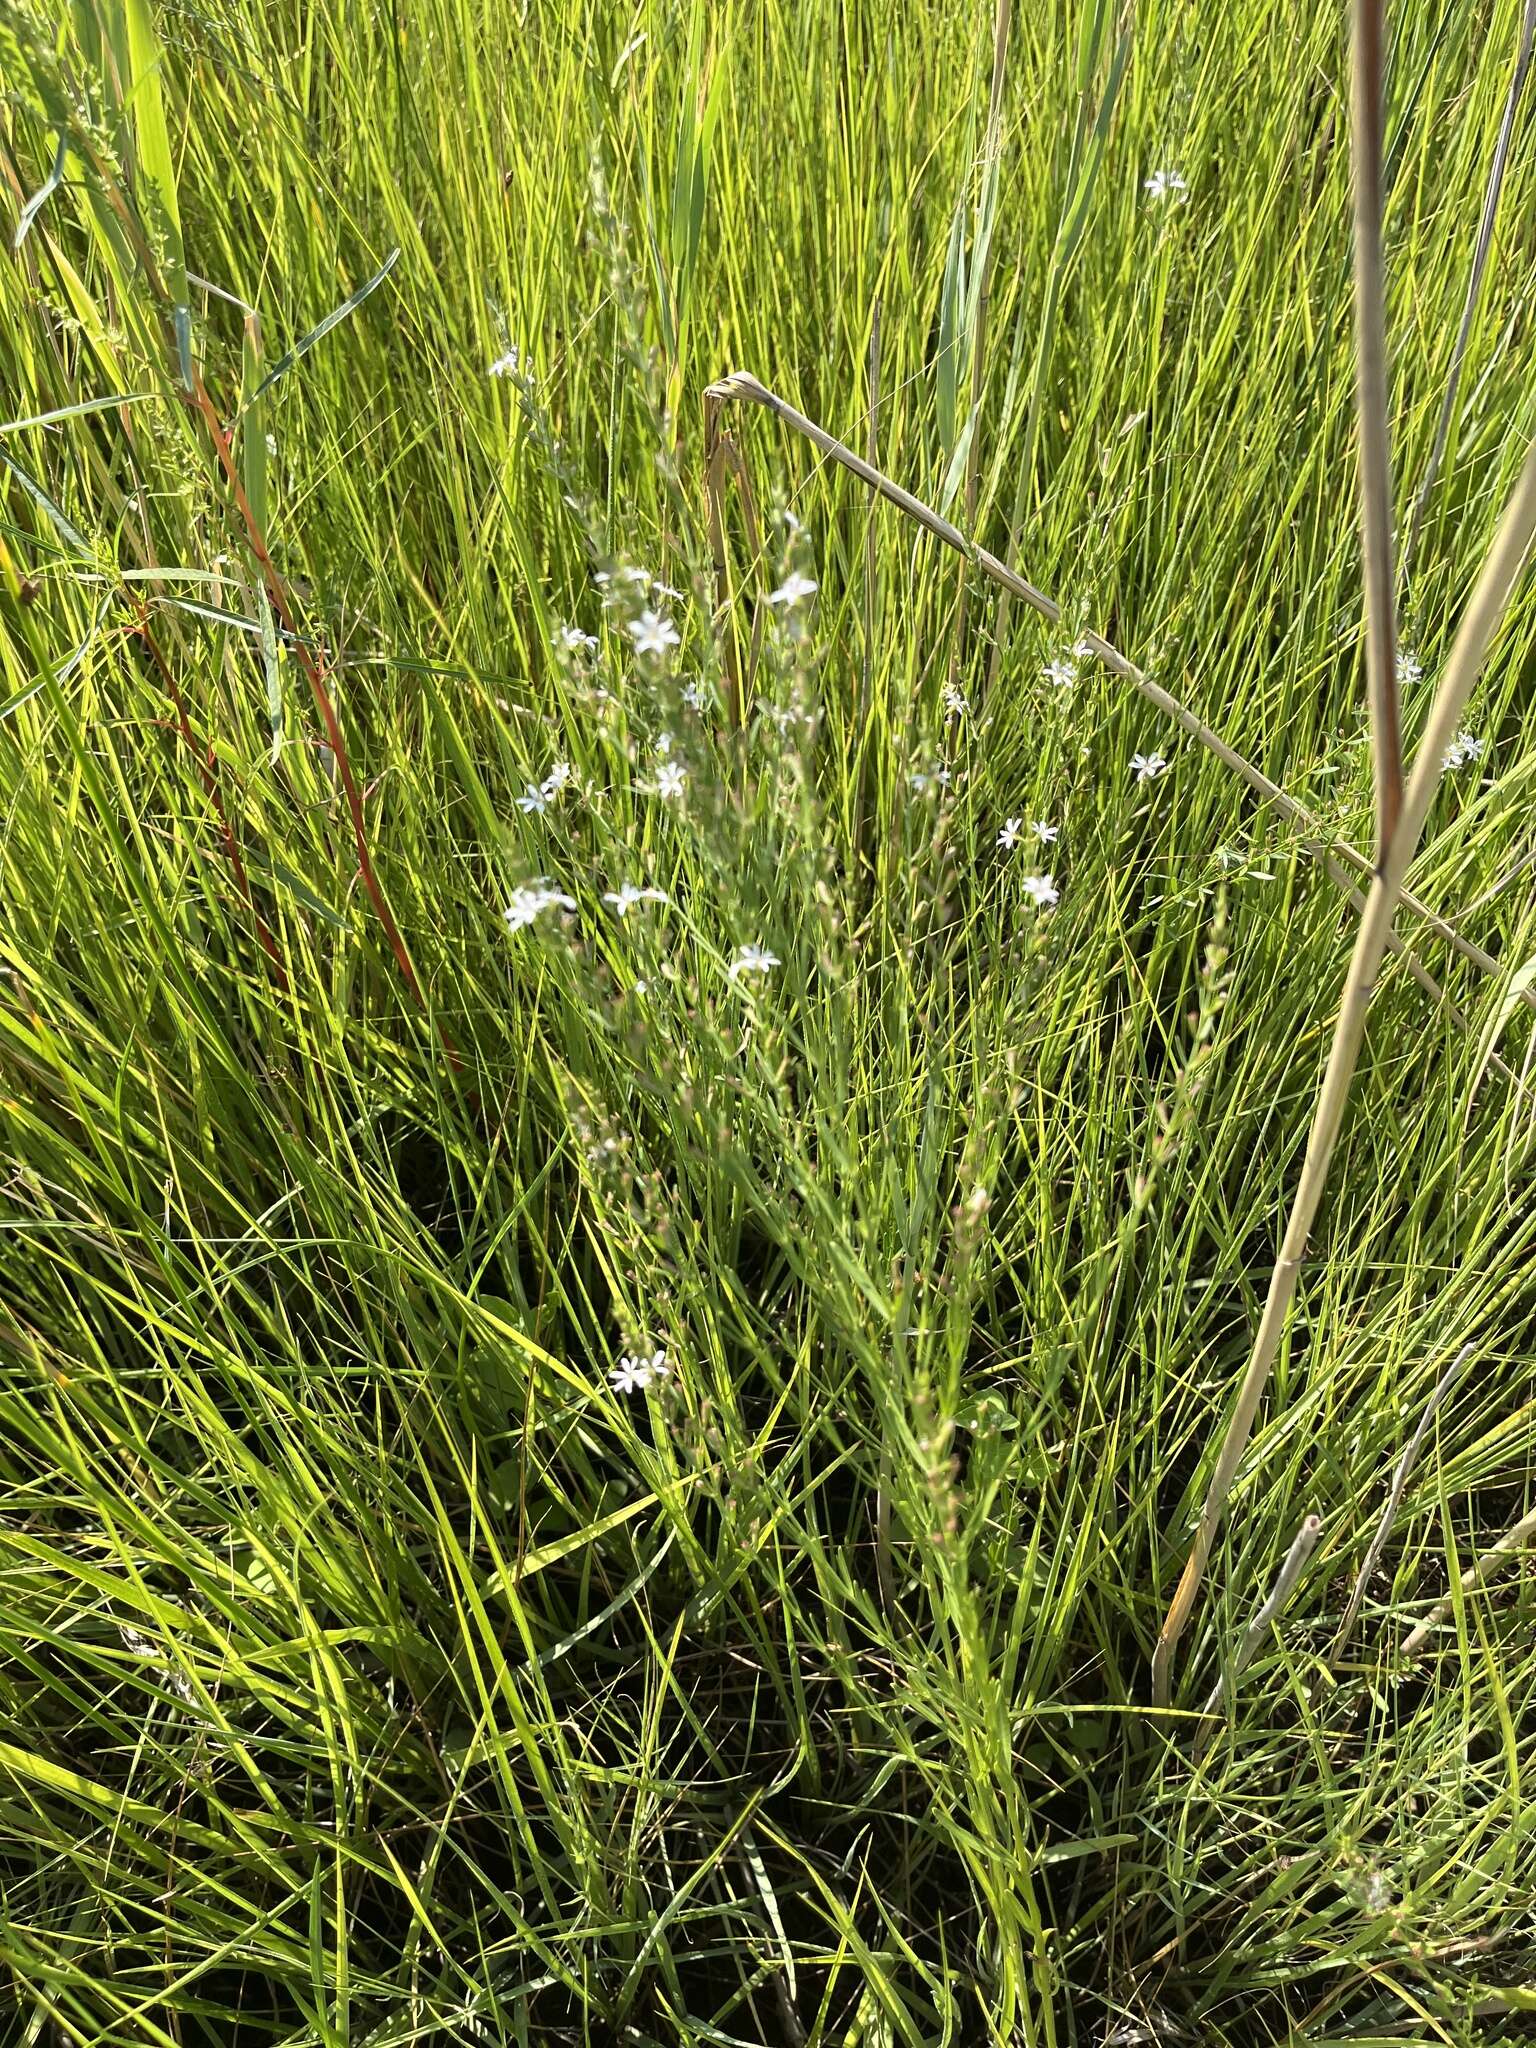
{"x": 370, "y": 1669}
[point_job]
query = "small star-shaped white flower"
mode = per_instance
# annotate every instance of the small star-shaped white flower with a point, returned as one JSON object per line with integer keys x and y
{"x": 507, "y": 365}
{"x": 652, "y": 633}
{"x": 533, "y": 800}
{"x": 1011, "y": 834}
{"x": 1165, "y": 185}
{"x": 753, "y": 959}
{"x": 795, "y": 589}
{"x": 1147, "y": 767}
{"x": 1061, "y": 672}
{"x": 1046, "y": 834}
{"x": 671, "y": 780}
{"x": 627, "y": 895}
{"x": 571, "y": 640}
{"x": 693, "y": 696}
{"x": 532, "y": 899}
{"x": 1409, "y": 668}
{"x": 556, "y": 779}
{"x": 1041, "y": 889}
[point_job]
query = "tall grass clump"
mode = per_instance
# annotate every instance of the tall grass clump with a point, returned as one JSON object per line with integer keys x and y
{"x": 657, "y": 1021}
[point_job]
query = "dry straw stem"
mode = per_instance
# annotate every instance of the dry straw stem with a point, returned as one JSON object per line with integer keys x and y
{"x": 1475, "y": 281}
{"x": 742, "y": 385}
{"x": 1302, "y": 1546}
{"x": 1449, "y": 1379}
{"x": 1483, "y": 613}
{"x": 1368, "y": 98}
{"x": 1514, "y": 1538}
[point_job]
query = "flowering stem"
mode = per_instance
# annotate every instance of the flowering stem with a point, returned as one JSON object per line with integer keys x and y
{"x": 741, "y": 384}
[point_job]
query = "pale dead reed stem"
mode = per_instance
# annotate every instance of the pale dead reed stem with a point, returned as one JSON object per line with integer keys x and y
{"x": 742, "y": 385}
{"x": 1367, "y": 100}
{"x": 1518, "y": 1534}
{"x": 1475, "y": 282}
{"x": 1002, "y": 24}
{"x": 1482, "y": 615}
{"x": 1302, "y": 1546}
{"x": 1405, "y": 1464}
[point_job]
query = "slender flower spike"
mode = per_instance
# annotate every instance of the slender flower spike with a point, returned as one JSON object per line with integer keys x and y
{"x": 1147, "y": 767}
{"x": 753, "y": 959}
{"x": 533, "y": 800}
{"x": 507, "y": 365}
{"x": 1061, "y": 672}
{"x": 1165, "y": 185}
{"x": 531, "y": 900}
{"x": 671, "y": 779}
{"x": 1041, "y": 889}
{"x": 652, "y": 633}
{"x": 1011, "y": 834}
{"x": 795, "y": 589}
{"x": 627, "y": 895}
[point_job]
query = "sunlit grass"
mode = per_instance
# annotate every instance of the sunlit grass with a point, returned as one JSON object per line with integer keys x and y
{"x": 374, "y": 1667}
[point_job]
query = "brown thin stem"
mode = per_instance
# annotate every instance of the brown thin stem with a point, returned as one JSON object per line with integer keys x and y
{"x": 1484, "y": 610}
{"x": 1367, "y": 102}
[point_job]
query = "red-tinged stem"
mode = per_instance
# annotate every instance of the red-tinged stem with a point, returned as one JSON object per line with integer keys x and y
{"x": 208, "y": 767}
{"x": 277, "y": 592}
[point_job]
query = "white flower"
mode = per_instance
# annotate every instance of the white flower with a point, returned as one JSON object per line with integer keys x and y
{"x": 694, "y": 697}
{"x": 532, "y": 899}
{"x": 1147, "y": 767}
{"x": 272, "y": 445}
{"x": 671, "y": 779}
{"x": 636, "y": 1371}
{"x": 667, "y": 590}
{"x": 1011, "y": 834}
{"x": 571, "y": 640}
{"x": 1409, "y": 668}
{"x": 556, "y": 779}
{"x": 795, "y": 589}
{"x": 625, "y": 577}
{"x": 956, "y": 703}
{"x": 1165, "y": 185}
{"x": 1464, "y": 749}
{"x": 1046, "y": 834}
{"x": 507, "y": 365}
{"x": 663, "y": 743}
{"x": 921, "y": 783}
{"x": 944, "y": 776}
{"x": 652, "y": 633}
{"x": 1041, "y": 889}
{"x": 533, "y": 800}
{"x": 753, "y": 959}
{"x": 627, "y": 895}
{"x": 1083, "y": 650}
{"x": 1061, "y": 672}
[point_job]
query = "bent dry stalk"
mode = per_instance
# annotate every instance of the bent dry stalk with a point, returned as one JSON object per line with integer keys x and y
{"x": 742, "y": 385}
{"x": 1482, "y": 615}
